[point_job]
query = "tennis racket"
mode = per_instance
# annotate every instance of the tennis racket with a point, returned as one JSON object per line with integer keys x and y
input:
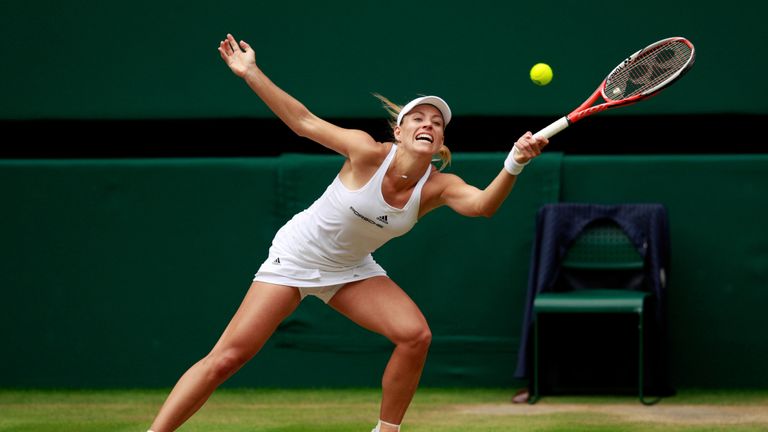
{"x": 642, "y": 75}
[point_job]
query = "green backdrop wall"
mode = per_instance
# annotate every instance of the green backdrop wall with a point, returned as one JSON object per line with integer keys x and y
{"x": 148, "y": 59}
{"x": 122, "y": 273}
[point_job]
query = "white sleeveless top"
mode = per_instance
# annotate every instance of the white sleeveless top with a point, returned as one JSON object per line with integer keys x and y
{"x": 331, "y": 242}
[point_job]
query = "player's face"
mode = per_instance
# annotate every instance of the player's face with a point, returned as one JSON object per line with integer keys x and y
{"x": 422, "y": 129}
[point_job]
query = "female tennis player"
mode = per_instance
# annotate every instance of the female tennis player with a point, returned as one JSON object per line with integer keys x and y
{"x": 380, "y": 192}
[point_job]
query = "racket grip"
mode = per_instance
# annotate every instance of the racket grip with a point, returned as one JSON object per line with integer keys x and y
{"x": 554, "y": 128}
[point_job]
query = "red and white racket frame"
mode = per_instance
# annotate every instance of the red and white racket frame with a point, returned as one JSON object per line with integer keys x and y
{"x": 586, "y": 109}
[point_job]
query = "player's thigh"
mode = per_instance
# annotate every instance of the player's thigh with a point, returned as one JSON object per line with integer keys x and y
{"x": 263, "y": 308}
{"x": 380, "y": 305}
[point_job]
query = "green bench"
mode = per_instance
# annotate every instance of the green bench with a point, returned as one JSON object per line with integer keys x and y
{"x": 602, "y": 246}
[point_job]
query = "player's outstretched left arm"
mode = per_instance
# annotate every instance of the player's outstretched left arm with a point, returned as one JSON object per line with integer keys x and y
{"x": 470, "y": 201}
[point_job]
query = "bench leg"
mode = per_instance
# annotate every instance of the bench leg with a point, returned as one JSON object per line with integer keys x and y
{"x": 534, "y": 396}
{"x": 641, "y": 363}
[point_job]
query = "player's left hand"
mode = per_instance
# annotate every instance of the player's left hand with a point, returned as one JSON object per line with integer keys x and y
{"x": 528, "y": 147}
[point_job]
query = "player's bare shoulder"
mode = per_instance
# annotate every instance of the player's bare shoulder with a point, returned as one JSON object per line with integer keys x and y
{"x": 370, "y": 152}
{"x": 363, "y": 159}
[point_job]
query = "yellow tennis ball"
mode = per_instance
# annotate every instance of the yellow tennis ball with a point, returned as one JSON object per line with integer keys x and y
{"x": 541, "y": 74}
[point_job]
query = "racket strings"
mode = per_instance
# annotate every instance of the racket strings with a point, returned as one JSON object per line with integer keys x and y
{"x": 648, "y": 70}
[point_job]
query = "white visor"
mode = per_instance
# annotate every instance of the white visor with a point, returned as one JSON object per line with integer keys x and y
{"x": 429, "y": 100}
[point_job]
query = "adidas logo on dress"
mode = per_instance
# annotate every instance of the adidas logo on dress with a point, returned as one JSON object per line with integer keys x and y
{"x": 383, "y": 219}
{"x": 276, "y": 261}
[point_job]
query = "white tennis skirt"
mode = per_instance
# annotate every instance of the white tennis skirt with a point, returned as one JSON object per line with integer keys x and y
{"x": 288, "y": 271}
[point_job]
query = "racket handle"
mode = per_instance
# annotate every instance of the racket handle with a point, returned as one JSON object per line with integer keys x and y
{"x": 554, "y": 128}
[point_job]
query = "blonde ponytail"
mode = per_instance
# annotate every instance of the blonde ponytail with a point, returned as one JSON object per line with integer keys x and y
{"x": 391, "y": 108}
{"x": 445, "y": 157}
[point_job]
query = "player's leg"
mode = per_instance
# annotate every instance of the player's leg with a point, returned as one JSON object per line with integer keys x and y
{"x": 264, "y": 307}
{"x": 379, "y": 305}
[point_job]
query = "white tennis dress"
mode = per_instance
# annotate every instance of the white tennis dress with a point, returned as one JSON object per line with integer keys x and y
{"x": 331, "y": 242}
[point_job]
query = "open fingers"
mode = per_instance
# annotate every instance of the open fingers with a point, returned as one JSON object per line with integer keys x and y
{"x": 225, "y": 49}
{"x": 232, "y": 43}
{"x": 244, "y": 45}
{"x": 223, "y": 55}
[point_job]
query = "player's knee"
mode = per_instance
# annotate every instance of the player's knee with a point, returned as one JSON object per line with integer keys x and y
{"x": 418, "y": 338}
{"x": 222, "y": 365}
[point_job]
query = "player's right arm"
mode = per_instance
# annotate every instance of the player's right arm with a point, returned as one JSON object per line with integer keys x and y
{"x": 241, "y": 58}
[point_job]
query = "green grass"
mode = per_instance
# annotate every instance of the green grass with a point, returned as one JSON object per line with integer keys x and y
{"x": 348, "y": 410}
